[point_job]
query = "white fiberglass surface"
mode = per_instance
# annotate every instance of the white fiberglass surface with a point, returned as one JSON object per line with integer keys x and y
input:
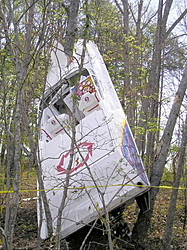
{"x": 105, "y": 158}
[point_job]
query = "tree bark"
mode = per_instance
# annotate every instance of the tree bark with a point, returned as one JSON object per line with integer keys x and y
{"x": 172, "y": 207}
{"x": 154, "y": 75}
{"x": 143, "y": 221}
{"x": 126, "y": 91}
{"x": 67, "y": 179}
{"x": 21, "y": 62}
{"x": 38, "y": 170}
{"x": 71, "y": 32}
{"x": 17, "y": 169}
{"x": 71, "y": 29}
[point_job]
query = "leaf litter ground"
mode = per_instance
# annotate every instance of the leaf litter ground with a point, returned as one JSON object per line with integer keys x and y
{"x": 25, "y": 236}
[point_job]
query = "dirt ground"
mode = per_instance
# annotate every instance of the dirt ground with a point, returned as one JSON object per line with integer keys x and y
{"x": 26, "y": 234}
{"x": 26, "y": 230}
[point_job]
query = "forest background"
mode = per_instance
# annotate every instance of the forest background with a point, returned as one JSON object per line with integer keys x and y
{"x": 144, "y": 48}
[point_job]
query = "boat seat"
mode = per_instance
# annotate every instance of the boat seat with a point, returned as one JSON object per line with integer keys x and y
{"x": 56, "y": 124}
{"x": 88, "y": 103}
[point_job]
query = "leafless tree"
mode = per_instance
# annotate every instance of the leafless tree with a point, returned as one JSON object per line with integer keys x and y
{"x": 172, "y": 207}
{"x": 143, "y": 220}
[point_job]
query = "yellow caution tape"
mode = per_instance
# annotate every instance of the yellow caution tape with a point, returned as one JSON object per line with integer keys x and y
{"x": 99, "y": 186}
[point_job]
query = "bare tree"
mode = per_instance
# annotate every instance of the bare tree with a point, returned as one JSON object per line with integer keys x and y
{"x": 151, "y": 96}
{"x": 21, "y": 68}
{"x": 172, "y": 207}
{"x": 21, "y": 54}
{"x": 142, "y": 225}
{"x": 71, "y": 31}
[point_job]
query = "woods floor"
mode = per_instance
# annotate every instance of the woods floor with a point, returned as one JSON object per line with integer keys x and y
{"x": 26, "y": 228}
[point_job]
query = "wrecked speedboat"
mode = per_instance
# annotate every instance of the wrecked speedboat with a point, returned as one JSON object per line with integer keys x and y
{"x": 102, "y": 164}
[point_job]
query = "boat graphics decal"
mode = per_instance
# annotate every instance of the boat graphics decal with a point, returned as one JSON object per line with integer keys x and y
{"x": 130, "y": 152}
{"x": 80, "y": 150}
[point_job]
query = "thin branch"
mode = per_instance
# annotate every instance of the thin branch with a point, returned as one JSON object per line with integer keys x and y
{"x": 66, "y": 7}
{"x": 89, "y": 232}
{"x": 133, "y": 16}
{"x": 175, "y": 23}
{"x": 119, "y": 7}
{"x": 149, "y": 20}
{"x": 26, "y": 12}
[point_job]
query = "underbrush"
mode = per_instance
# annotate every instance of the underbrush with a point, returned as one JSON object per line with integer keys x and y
{"x": 25, "y": 236}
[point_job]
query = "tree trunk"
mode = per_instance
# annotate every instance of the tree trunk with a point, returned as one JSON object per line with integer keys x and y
{"x": 65, "y": 189}
{"x": 126, "y": 91}
{"x": 71, "y": 29}
{"x": 154, "y": 75}
{"x": 71, "y": 32}
{"x": 21, "y": 63}
{"x": 172, "y": 207}
{"x": 143, "y": 221}
{"x": 12, "y": 209}
{"x": 39, "y": 174}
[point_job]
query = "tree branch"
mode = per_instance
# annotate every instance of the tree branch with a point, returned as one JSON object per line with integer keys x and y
{"x": 65, "y": 6}
{"x": 119, "y": 7}
{"x": 175, "y": 23}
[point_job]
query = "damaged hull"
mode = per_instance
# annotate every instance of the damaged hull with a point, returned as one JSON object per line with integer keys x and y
{"x": 106, "y": 169}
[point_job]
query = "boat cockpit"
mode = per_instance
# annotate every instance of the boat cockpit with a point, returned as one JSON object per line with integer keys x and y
{"x": 57, "y": 105}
